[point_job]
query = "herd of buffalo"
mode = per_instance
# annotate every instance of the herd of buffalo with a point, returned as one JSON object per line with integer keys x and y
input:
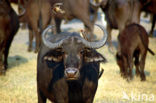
{"x": 68, "y": 65}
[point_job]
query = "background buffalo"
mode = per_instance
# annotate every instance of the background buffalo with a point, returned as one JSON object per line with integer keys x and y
{"x": 9, "y": 25}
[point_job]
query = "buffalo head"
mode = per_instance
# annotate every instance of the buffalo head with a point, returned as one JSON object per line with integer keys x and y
{"x": 73, "y": 51}
{"x": 122, "y": 63}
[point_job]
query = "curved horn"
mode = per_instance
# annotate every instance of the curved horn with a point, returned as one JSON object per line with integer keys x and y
{"x": 95, "y": 4}
{"x": 95, "y": 45}
{"x": 48, "y": 43}
{"x": 99, "y": 43}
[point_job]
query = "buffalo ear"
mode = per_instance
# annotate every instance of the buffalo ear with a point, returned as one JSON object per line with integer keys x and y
{"x": 93, "y": 56}
{"x": 54, "y": 56}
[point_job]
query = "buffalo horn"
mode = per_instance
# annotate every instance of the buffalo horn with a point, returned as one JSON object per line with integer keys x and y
{"x": 88, "y": 44}
{"x": 48, "y": 43}
{"x": 99, "y": 43}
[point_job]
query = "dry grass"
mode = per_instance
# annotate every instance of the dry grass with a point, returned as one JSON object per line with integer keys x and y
{"x": 19, "y": 84}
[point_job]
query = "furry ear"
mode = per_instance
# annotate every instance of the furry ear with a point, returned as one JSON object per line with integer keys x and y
{"x": 54, "y": 56}
{"x": 93, "y": 56}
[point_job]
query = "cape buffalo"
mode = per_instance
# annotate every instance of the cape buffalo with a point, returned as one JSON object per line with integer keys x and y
{"x": 153, "y": 25}
{"x": 9, "y": 25}
{"x": 133, "y": 41}
{"x": 80, "y": 10}
{"x": 120, "y": 13}
{"x": 151, "y": 7}
{"x": 37, "y": 15}
{"x": 68, "y": 68}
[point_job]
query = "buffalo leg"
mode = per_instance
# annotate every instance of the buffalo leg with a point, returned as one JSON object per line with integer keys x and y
{"x": 2, "y": 69}
{"x": 125, "y": 62}
{"x": 34, "y": 23}
{"x": 130, "y": 64}
{"x": 153, "y": 24}
{"x": 122, "y": 72}
{"x": 53, "y": 23}
{"x": 89, "y": 27}
{"x": 137, "y": 63}
{"x": 6, "y": 51}
{"x": 94, "y": 18}
{"x": 30, "y": 40}
{"x": 38, "y": 40}
{"x": 142, "y": 66}
{"x": 38, "y": 37}
{"x": 109, "y": 30}
{"x": 45, "y": 16}
{"x": 41, "y": 97}
{"x": 110, "y": 45}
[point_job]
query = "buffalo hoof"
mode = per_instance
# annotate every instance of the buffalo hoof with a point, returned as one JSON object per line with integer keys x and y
{"x": 143, "y": 78}
{"x": 124, "y": 75}
{"x": 150, "y": 34}
{"x": 29, "y": 49}
{"x": 2, "y": 70}
{"x": 36, "y": 51}
{"x": 129, "y": 79}
{"x": 137, "y": 73}
{"x": 23, "y": 26}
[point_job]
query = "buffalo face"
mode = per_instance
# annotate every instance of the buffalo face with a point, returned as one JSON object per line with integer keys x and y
{"x": 122, "y": 63}
{"x": 73, "y": 54}
{"x": 72, "y": 51}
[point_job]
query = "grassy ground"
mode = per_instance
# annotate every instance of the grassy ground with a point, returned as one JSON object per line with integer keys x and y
{"x": 19, "y": 83}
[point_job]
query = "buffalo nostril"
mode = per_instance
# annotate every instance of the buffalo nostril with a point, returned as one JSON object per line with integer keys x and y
{"x": 71, "y": 73}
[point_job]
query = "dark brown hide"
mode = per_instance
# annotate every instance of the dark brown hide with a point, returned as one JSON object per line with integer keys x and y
{"x": 37, "y": 15}
{"x": 133, "y": 43}
{"x": 9, "y": 25}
